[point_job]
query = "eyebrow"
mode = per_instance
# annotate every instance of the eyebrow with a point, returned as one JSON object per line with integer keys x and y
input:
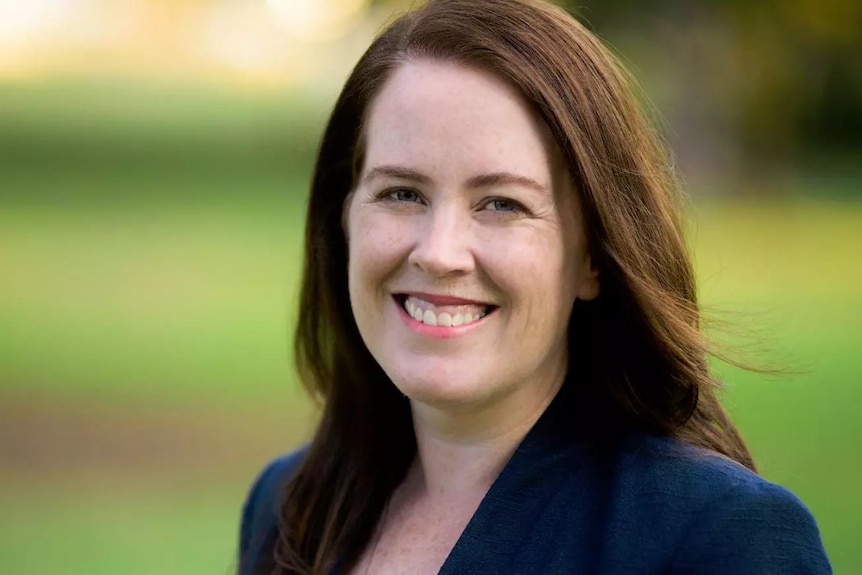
{"x": 476, "y": 182}
{"x": 397, "y": 172}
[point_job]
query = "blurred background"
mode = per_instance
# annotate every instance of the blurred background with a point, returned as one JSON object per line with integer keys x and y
{"x": 154, "y": 165}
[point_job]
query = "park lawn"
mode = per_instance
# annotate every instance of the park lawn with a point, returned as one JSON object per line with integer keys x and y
{"x": 131, "y": 530}
{"x": 135, "y": 297}
{"x": 171, "y": 299}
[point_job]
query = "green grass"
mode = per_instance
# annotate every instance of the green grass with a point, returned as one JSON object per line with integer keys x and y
{"x": 143, "y": 298}
{"x": 131, "y": 531}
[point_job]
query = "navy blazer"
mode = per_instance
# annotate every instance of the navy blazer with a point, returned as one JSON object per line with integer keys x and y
{"x": 643, "y": 505}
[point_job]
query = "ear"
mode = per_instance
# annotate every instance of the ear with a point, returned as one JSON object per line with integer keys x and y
{"x": 589, "y": 285}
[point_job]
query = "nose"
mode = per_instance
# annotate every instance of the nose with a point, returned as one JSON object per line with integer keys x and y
{"x": 443, "y": 246}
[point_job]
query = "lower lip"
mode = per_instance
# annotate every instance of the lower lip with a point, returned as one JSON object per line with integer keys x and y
{"x": 438, "y": 332}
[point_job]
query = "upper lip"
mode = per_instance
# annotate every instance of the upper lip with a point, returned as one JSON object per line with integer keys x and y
{"x": 441, "y": 300}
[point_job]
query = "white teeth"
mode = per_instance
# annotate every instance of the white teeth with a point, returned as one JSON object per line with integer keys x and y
{"x": 444, "y": 319}
{"x": 413, "y": 310}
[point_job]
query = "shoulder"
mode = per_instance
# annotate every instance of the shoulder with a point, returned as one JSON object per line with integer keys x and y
{"x": 259, "y": 523}
{"x": 719, "y": 516}
{"x": 669, "y": 466}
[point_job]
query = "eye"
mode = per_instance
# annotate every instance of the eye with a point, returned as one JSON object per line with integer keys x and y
{"x": 503, "y": 205}
{"x": 405, "y": 195}
{"x": 401, "y": 195}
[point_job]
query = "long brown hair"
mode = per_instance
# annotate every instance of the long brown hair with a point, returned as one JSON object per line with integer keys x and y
{"x": 638, "y": 357}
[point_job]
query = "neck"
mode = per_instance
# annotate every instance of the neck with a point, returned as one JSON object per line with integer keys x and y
{"x": 461, "y": 453}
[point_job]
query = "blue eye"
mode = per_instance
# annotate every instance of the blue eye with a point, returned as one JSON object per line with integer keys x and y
{"x": 403, "y": 195}
{"x": 406, "y": 195}
{"x": 501, "y": 205}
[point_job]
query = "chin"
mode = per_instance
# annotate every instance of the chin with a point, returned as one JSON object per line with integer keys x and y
{"x": 441, "y": 390}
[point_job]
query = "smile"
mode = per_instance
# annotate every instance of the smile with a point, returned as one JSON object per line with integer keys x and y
{"x": 445, "y": 312}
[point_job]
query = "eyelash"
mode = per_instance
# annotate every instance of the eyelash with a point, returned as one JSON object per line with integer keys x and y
{"x": 390, "y": 195}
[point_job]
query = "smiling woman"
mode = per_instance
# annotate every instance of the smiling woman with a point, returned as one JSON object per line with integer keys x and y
{"x": 500, "y": 318}
{"x": 463, "y": 212}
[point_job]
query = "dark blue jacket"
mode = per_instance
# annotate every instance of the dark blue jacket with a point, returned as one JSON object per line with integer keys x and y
{"x": 640, "y": 505}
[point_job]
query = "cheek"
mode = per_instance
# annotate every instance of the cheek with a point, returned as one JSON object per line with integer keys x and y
{"x": 532, "y": 266}
{"x": 375, "y": 246}
{"x": 359, "y": 250}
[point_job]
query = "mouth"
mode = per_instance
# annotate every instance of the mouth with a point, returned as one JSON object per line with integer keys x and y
{"x": 444, "y": 312}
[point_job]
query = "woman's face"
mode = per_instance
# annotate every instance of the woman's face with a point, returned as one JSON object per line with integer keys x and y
{"x": 466, "y": 250}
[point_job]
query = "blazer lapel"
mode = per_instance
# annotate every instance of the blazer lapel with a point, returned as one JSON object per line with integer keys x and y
{"x": 520, "y": 496}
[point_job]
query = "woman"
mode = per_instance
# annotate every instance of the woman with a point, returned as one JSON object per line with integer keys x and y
{"x": 500, "y": 318}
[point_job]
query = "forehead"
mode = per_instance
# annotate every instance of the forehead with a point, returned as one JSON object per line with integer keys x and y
{"x": 431, "y": 112}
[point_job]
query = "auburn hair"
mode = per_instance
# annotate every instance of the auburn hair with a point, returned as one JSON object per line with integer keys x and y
{"x": 637, "y": 353}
